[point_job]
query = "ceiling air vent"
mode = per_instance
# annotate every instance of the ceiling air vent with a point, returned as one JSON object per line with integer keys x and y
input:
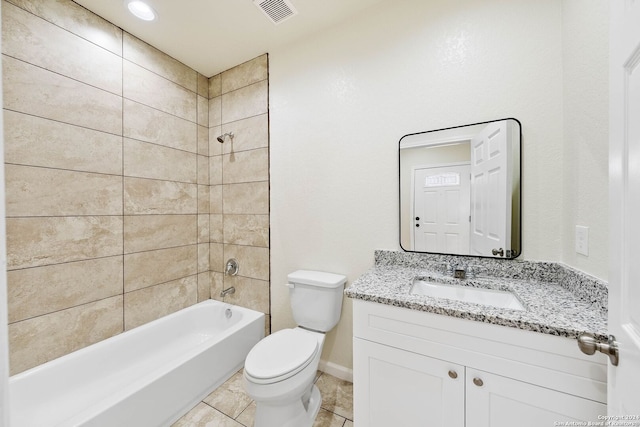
{"x": 277, "y": 11}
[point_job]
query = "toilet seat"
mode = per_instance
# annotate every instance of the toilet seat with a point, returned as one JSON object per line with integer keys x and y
{"x": 280, "y": 355}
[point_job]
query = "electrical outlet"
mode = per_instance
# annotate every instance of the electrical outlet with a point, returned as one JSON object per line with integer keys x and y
{"x": 582, "y": 240}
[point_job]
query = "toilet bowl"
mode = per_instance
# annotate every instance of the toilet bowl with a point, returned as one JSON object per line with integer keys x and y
{"x": 280, "y": 370}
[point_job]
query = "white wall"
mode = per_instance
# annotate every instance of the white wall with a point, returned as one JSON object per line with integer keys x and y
{"x": 585, "y": 39}
{"x": 341, "y": 100}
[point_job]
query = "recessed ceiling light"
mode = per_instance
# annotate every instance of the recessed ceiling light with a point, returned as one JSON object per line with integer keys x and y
{"x": 141, "y": 10}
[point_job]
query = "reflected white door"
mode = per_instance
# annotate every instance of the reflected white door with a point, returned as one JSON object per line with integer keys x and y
{"x": 441, "y": 209}
{"x": 490, "y": 198}
{"x": 624, "y": 174}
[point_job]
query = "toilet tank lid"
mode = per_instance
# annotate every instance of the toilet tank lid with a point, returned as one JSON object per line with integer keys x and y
{"x": 317, "y": 278}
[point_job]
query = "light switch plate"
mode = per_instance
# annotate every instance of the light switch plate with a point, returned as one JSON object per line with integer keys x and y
{"x": 582, "y": 240}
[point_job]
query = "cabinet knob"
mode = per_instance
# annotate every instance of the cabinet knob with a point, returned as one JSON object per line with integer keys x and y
{"x": 477, "y": 381}
{"x": 453, "y": 374}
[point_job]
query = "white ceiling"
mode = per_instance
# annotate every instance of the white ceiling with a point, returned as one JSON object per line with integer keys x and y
{"x": 211, "y": 36}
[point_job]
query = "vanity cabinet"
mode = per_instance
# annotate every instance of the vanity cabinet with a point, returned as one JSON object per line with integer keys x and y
{"x": 414, "y": 368}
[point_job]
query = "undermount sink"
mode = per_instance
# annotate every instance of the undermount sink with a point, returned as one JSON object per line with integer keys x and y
{"x": 492, "y": 297}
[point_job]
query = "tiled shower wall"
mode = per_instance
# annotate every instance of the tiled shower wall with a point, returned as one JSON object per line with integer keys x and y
{"x": 107, "y": 180}
{"x": 239, "y": 178}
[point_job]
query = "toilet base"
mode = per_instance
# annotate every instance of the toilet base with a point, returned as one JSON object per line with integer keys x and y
{"x": 299, "y": 413}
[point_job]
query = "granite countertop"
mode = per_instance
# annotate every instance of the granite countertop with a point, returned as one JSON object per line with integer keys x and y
{"x": 551, "y": 306}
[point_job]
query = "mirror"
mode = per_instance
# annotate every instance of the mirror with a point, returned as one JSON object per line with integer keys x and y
{"x": 460, "y": 190}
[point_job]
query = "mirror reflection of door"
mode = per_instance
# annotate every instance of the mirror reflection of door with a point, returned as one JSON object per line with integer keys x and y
{"x": 441, "y": 208}
{"x": 491, "y": 151}
{"x": 490, "y": 200}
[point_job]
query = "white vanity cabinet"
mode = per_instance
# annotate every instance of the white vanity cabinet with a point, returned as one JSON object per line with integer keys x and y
{"x": 413, "y": 368}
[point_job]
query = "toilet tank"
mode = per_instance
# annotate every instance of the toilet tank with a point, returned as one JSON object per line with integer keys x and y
{"x": 316, "y": 298}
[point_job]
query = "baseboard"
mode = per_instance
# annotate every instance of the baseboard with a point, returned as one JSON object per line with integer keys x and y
{"x": 337, "y": 371}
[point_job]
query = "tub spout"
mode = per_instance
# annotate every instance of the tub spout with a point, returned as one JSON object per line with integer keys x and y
{"x": 227, "y": 291}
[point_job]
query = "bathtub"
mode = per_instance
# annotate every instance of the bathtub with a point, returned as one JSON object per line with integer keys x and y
{"x": 147, "y": 376}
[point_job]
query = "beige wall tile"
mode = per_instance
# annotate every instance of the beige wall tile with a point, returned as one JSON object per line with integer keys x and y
{"x": 150, "y": 89}
{"x": 203, "y": 257}
{"x": 267, "y": 325}
{"x": 31, "y": 140}
{"x": 215, "y": 111}
{"x": 203, "y": 111}
{"x": 35, "y": 191}
{"x": 148, "y": 304}
{"x": 150, "y": 268}
{"x": 149, "y": 232}
{"x": 215, "y": 86}
{"x": 250, "y": 293}
{"x": 245, "y": 74}
{"x": 152, "y": 125}
{"x": 43, "y": 338}
{"x": 245, "y": 166}
{"x": 203, "y": 86}
{"x": 215, "y": 199}
{"x": 215, "y": 147}
{"x": 246, "y": 102}
{"x": 247, "y": 230}
{"x": 253, "y": 261}
{"x": 203, "y": 170}
{"x": 216, "y": 257}
{"x": 203, "y": 228}
{"x": 78, "y": 20}
{"x": 249, "y": 134}
{"x": 59, "y": 98}
{"x": 33, "y": 242}
{"x": 216, "y": 228}
{"x": 140, "y": 53}
{"x": 152, "y": 196}
{"x": 203, "y": 199}
{"x": 204, "y": 286}
{"x": 38, "y": 42}
{"x": 145, "y": 160}
{"x": 248, "y": 198}
{"x": 216, "y": 280}
{"x": 203, "y": 141}
{"x": 215, "y": 170}
{"x": 36, "y": 291}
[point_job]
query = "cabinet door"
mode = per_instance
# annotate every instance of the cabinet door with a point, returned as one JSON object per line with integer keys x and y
{"x": 398, "y": 388}
{"x": 496, "y": 401}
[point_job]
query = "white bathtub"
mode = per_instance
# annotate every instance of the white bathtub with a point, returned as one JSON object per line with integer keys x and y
{"x": 148, "y": 376}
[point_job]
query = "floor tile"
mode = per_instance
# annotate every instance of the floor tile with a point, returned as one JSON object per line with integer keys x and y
{"x": 204, "y": 415}
{"x": 230, "y": 406}
{"x": 328, "y": 419}
{"x": 230, "y": 398}
{"x": 337, "y": 395}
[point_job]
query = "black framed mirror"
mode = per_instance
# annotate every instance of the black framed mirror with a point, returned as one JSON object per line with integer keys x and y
{"x": 460, "y": 190}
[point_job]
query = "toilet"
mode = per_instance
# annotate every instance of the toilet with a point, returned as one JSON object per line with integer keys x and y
{"x": 279, "y": 371}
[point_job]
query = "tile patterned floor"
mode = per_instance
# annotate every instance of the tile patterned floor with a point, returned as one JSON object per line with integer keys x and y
{"x": 229, "y": 405}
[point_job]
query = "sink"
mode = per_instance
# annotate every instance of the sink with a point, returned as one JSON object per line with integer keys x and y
{"x": 492, "y": 297}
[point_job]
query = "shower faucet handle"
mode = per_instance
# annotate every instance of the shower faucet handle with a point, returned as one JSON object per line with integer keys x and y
{"x": 232, "y": 267}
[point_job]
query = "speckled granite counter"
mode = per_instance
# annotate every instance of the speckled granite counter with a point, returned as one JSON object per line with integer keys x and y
{"x": 557, "y": 299}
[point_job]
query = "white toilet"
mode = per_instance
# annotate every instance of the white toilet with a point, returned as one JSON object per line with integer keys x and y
{"x": 280, "y": 370}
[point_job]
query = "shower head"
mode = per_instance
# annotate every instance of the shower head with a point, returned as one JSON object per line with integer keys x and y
{"x": 222, "y": 137}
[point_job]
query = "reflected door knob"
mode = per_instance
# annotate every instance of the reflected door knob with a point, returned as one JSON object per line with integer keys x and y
{"x": 498, "y": 252}
{"x": 417, "y": 218}
{"x": 417, "y": 225}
